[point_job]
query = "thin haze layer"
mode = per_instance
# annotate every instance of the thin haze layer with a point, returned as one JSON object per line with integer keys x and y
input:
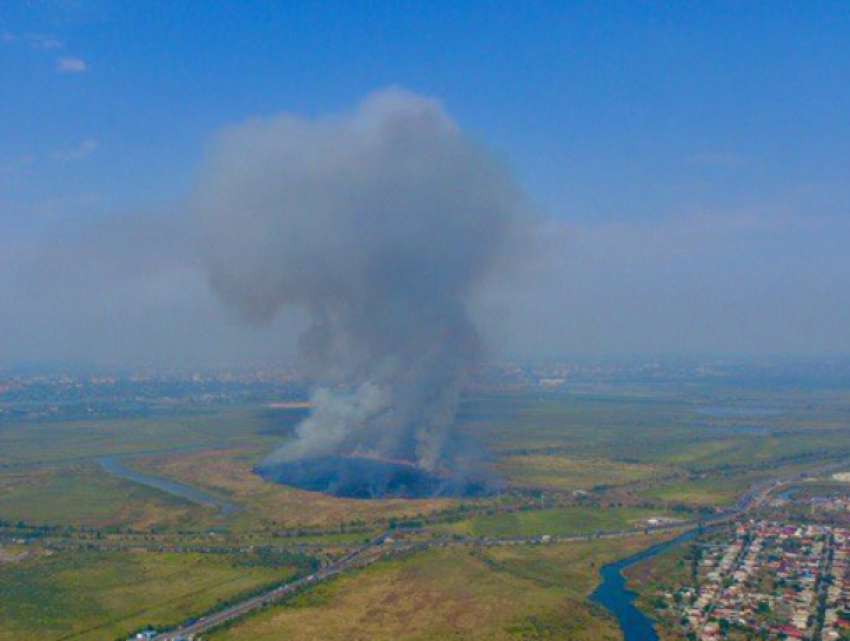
{"x": 381, "y": 224}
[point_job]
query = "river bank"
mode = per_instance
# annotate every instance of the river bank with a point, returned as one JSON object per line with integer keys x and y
{"x": 113, "y": 465}
{"x": 613, "y": 594}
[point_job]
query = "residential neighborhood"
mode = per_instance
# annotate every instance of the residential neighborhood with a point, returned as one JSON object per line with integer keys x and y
{"x": 768, "y": 580}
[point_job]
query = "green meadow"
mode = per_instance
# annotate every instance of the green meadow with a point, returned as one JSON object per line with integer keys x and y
{"x": 97, "y": 596}
{"x": 567, "y": 521}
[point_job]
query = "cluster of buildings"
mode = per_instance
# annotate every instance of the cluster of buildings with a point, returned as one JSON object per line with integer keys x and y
{"x": 837, "y": 504}
{"x": 72, "y": 397}
{"x": 151, "y": 635}
{"x": 837, "y": 582}
{"x": 584, "y": 374}
{"x": 769, "y": 581}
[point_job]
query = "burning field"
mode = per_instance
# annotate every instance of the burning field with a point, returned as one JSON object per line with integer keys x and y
{"x": 370, "y": 478}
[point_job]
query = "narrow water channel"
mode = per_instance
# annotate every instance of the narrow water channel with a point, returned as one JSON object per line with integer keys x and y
{"x": 614, "y": 596}
{"x": 112, "y": 464}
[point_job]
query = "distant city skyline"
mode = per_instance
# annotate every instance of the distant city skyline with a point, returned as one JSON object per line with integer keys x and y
{"x": 690, "y": 161}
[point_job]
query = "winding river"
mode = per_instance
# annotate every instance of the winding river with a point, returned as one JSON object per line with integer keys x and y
{"x": 112, "y": 464}
{"x": 614, "y": 596}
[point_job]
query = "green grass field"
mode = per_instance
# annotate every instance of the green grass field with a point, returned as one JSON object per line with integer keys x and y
{"x": 72, "y": 441}
{"x": 557, "y": 522}
{"x": 573, "y": 567}
{"x": 708, "y": 492}
{"x": 668, "y": 431}
{"x": 568, "y": 473}
{"x": 96, "y": 596}
{"x": 86, "y": 496}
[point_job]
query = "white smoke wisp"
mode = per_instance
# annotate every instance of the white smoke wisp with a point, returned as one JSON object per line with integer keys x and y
{"x": 382, "y": 224}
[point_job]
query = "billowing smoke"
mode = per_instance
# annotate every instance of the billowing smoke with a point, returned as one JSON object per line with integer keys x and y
{"x": 381, "y": 224}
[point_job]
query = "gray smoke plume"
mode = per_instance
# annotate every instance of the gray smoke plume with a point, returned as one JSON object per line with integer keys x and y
{"x": 381, "y": 224}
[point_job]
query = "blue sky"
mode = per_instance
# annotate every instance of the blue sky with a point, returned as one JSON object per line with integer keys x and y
{"x": 681, "y": 148}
